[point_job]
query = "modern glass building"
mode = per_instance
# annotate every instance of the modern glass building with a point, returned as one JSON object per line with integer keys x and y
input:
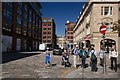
{"x": 21, "y": 26}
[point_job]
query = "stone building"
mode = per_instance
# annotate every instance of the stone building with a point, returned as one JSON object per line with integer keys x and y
{"x": 61, "y": 41}
{"x": 94, "y": 15}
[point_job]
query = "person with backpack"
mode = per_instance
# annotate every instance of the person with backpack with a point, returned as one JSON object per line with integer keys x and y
{"x": 75, "y": 55}
{"x": 93, "y": 60}
{"x": 113, "y": 54}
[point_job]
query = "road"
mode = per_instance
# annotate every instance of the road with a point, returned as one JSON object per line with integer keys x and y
{"x": 33, "y": 67}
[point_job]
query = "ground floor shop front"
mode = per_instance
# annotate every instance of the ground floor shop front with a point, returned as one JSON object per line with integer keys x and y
{"x": 18, "y": 43}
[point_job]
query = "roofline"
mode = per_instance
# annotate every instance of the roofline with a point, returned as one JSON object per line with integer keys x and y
{"x": 89, "y": 4}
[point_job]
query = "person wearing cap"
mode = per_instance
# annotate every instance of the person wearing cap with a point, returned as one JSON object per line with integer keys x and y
{"x": 47, "y": 58}
{"x": 75, "y": 54}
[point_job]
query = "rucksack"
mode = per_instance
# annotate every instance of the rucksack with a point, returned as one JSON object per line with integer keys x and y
{"x": 93, "y": 56}
{"x": 80, "y": 53}
{"x": 75, "y": 51}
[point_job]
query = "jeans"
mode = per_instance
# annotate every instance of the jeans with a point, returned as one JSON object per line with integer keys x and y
{"x": 83, "y": 61}
{"x": 113, "y": 59}
{"x": 101, "y": 61}
{"x": 94, "y": 65}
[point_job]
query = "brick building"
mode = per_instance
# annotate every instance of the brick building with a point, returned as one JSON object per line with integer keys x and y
{"x": 48, "y": 31}
{"x": 21, "y": 26}
{"x": 69, "y": 33}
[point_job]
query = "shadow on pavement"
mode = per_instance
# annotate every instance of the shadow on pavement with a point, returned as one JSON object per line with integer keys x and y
{"x": 53, "y": 64}
{"x": 118, "y": 65}
{"x": 80, "y": 65}
{"x": 7, "y": 57}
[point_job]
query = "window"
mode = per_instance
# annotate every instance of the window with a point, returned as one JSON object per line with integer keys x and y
{"x": 44, "y": 37}
{"x": 49, "y": 32}
{"x": 49, "y": 28}
{"x": 44, "y": 41}
{"x": 44, "y": 28}
{"x": 111, "y": 10}
{"x": 44, "y": 32}
{"x": 101, "y": 10}
{"x": 44, "y": 20}
{"x": 49, "y": 24}
{"x": 44, "y": 24}
{"x": 106, "y": 10}
{"x": 68, "y": 37}
{"x": 7, "y": 16}
{"x": 50, "y": 20}
{"x": 49, "y": 41}
{"x": 68, "y": 29}
{"x": 49, "y": 37}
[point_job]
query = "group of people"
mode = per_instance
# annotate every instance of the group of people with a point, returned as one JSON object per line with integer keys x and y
{"x": 83, "y": 54}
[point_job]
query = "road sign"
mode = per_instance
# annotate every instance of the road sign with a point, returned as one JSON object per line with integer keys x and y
{"x": 102, "y": 29}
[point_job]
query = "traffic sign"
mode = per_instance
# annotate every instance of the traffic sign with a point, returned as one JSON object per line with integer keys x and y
{"x": 102, "y": 29}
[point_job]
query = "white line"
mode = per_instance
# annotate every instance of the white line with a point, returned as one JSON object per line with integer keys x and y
{"x": 103, "y": 29}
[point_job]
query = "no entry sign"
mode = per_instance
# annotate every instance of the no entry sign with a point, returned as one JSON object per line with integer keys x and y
{"x": 102, "y": 29}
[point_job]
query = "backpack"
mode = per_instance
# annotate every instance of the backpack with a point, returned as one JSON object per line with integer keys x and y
{"x": 93, "y": 57}
{"x": 80, "y": 53}
{"x": 75, "y": 50}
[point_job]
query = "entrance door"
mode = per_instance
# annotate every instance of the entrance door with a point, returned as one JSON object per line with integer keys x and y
{"x": 108, "y": 44}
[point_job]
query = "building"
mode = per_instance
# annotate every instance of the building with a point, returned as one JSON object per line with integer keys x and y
{"x": 48, "y": 31}
{"x": 21, "y": 26}
{"x": 94, "y": 15}
{"x": 61, "y": 41}
{"x": 69, "y": 33}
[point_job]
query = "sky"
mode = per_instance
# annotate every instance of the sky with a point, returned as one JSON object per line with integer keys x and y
{"x": 61, "y": 12}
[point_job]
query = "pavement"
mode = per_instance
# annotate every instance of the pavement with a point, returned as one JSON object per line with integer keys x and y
{"x": 32, "y": 66}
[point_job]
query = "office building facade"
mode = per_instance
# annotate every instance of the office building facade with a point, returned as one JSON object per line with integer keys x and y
{"x": 21, "y": 26}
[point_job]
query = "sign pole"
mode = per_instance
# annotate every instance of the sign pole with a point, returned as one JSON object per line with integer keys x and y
{"x": 102, "y": 31}
{"x": 104, "y": 56}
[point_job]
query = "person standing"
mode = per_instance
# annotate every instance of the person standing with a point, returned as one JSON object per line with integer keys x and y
{"x": 93, "y": 60}
{"x": 75, "y": 56}
{"x": 47, "y": 58}
{"x": 113, "y": 54}
{"x": 101, "y": 55}
{"x": 83, "y": 56}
